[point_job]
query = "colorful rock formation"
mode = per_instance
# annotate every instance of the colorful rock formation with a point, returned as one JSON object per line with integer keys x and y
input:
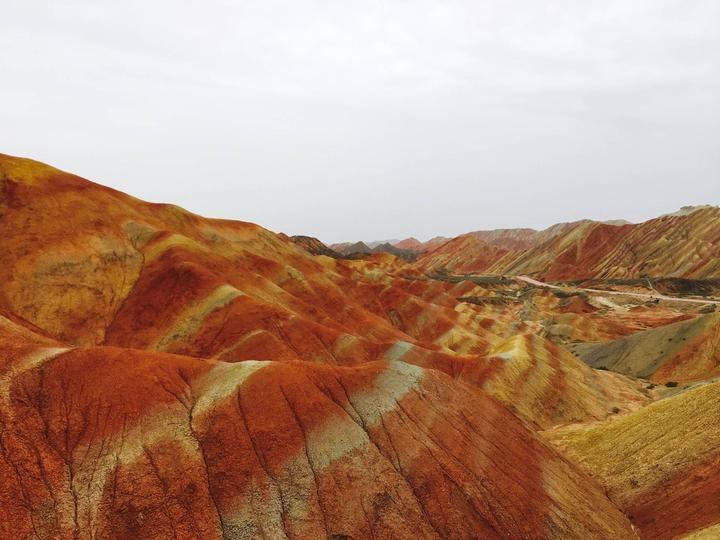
{"x": 168, "y": 375}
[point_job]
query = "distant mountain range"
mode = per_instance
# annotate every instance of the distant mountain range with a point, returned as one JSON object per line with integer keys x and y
{"x": 682, "y": 244}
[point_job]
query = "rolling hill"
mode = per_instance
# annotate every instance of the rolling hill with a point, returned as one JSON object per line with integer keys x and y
{"x": 163, "y": 374}
{"x": 686, "y": 245}
{"x": 658, "y": 463}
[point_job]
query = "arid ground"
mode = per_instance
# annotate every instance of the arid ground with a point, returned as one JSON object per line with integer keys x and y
{"x": 166, "y": 375}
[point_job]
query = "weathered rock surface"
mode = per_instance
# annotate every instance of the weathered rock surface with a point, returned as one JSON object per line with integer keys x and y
{"x": 168, "y": 375}
{"x": 658, "y": 463}
{"x": 686, "y": 245}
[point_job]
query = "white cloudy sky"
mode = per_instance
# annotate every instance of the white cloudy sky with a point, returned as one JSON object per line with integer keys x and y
{"x": 365, "y": 120}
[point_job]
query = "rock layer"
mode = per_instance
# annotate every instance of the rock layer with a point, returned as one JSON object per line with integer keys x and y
{"x": 658, "y": 463}
{"x": 684, "y": 246}
{"x": 164, "y": 374}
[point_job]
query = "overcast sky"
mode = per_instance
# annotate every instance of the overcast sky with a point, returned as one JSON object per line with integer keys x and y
{"x": 370, "y": 120}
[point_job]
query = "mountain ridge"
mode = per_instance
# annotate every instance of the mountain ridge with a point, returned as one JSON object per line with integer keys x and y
{"x": 162, "y": 374}
{"x": 581, "y": 249}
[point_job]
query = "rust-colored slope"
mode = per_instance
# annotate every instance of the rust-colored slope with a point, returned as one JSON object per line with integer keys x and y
{"x": 412, "y": 244}
{"x": 669, "y": 246}
{"x": 508, "y": 239}
{"x": 683, "y": 351}
{"x": 435, "y": 243}
{"x": 308, "y": 396}
{"x": 77, "y": 256}
{"x": 586, "y": 255}
{"x": 685, "y": 245}
{"x": 72, "y": 249}
{"x": 497, "y": 250}
{"x": 547, "y": 386}
{"x": 314, "y": 246}
{"x": 659, "y": 463}
{"x": 574, "y": 252}
{"x": 109, "y": 442}
{"x": 173, "y": 281}
{"x": 180, "y": 306}
{"x": 462, "y": 254}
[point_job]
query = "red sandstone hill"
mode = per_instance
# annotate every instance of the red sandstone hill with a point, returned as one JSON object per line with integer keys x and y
{"x": 464, "y": 254}
{"x": 164, "y": 374}
{"x": 288, "y": 412}
{"x": 508, "y": 239}
{"x": 684, "y": 245}
{"x": 411, "y": 244}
